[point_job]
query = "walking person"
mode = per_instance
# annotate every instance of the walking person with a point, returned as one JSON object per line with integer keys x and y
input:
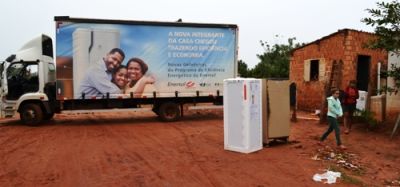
{"x": 349, "y": 105}
{"x": 334, "y": 111}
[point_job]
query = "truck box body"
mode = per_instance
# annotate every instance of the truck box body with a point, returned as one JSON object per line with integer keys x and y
{"x": 191, "y": 59}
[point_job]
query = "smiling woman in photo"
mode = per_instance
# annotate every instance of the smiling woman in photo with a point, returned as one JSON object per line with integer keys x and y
{"x": 137, "y": 77}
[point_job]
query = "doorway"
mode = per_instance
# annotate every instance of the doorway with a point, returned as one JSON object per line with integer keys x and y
{"x": 363, "y": 65}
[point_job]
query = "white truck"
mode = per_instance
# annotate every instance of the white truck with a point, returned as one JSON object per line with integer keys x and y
{"x": 173, "y": 63}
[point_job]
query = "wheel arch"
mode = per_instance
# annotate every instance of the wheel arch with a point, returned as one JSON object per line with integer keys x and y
{"x": 43, "y": 105}
{"x": 36, "y": 98}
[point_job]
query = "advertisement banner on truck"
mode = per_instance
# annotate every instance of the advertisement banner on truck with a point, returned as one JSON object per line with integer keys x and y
{"x": 94, "y": 59}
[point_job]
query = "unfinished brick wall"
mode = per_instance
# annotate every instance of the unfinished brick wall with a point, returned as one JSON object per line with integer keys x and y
{"x": 344, "y": 45}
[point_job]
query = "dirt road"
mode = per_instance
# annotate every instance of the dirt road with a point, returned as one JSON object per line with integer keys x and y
{"x": 135, "y": 149}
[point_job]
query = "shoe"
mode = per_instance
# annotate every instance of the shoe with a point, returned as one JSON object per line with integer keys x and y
{"x": 346, "y": 131}
{"x": 342, "y": 147}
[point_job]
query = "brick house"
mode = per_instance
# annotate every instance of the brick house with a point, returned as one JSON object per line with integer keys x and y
{"x": 311, "y": 64}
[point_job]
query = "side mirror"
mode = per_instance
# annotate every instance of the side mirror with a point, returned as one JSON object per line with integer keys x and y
{"x": 10, "y": 58}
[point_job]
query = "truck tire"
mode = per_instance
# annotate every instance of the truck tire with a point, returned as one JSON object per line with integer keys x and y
{"x": 169, "y": 112}
{"x": 31, "y": 114}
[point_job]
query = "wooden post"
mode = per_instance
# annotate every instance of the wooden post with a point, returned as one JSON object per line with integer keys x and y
{"x": 395, "y": 126}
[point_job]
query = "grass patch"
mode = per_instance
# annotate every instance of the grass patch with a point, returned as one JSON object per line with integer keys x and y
{"x": 359, "y": 172}
{"x": 345, "y": 177}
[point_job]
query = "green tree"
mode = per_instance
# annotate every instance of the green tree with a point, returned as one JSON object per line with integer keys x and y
{"x": 274, "y": 62}
{"x": 386, "y": 20}
{"x": 243, "y": 69}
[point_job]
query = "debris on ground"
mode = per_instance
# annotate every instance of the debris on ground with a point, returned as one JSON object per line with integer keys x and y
{"x": 349, "y": 161}
{"x": 329, "y": 176}
{"x": 392, "y": 182}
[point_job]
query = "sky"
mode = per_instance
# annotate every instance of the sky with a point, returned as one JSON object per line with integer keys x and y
{"x": 272, "y": 21}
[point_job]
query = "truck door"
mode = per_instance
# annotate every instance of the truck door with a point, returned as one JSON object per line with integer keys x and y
{"x": 22, "y": 77}
{"x": 1, "y": 89}
{"x": 1, "y": 80}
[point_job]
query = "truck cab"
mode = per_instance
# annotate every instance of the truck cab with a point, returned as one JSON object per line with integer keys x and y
{"x": 27, "y": 78}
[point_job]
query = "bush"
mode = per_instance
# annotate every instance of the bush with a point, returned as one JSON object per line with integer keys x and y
{"x": 367, "y": 117}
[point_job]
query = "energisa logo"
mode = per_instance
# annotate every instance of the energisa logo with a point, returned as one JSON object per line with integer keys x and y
{"x": 190, "y": 84}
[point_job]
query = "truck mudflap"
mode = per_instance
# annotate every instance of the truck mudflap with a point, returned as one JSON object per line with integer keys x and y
{"x": 47, "y": 108}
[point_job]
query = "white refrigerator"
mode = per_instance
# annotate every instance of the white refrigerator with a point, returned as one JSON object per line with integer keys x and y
{"x": 242, "y": 115}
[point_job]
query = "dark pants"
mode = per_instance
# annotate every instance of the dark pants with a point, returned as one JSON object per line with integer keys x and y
{"x": 333, "y": 125}
{"x": 350, "y": 108}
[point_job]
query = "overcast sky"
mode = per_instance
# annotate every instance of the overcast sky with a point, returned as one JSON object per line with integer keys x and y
{"x": 307, "y": 20}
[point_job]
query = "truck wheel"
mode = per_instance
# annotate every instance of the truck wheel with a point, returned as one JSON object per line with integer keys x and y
{"x": 169, "y": 112}
{"x": 31, "y": 114}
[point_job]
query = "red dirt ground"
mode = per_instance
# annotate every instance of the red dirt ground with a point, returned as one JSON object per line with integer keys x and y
{"x": 135, "y": 149}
